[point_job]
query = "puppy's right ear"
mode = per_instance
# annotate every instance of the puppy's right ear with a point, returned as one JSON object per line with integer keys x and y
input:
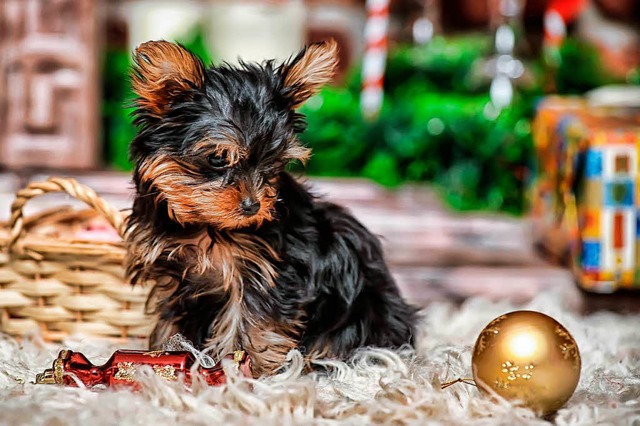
{"x": 306, "y": 73}
{"x": 163, "y": 72}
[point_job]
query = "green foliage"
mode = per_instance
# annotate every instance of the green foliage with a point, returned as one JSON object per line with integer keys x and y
{"x": 443, "y": 65}
{"x": 442, "y": 138}
{"x": 580, "y": 69}
{"x": 116, "y": 119}
{"x": 430, "y": 129}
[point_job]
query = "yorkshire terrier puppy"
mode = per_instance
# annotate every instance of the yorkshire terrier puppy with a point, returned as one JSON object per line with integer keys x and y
{"x": 243, "y": 256}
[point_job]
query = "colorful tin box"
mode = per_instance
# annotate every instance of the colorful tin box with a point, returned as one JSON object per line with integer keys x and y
{"x": 586, "y": 194}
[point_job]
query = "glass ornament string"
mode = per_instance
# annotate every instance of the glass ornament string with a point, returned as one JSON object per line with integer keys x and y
{"x": 465, "y": 380}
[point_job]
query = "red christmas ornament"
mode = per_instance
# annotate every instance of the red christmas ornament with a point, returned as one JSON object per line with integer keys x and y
{"x": 121, "y": 368}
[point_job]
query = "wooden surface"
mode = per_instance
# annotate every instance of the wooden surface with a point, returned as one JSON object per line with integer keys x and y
{"x": 435, "y": 254}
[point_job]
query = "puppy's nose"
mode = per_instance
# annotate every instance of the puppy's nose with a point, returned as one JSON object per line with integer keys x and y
{"x": 249, "y": 206}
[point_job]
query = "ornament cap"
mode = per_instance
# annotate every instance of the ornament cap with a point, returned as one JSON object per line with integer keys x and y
{"x": 53, "y": 376}
{"x": 46, "y": 377}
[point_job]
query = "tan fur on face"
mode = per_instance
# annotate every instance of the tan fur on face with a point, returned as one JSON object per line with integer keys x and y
{"x": 161, "y": 71}
{"x": 313, "y": 70}
{"x": 192, "y": 199}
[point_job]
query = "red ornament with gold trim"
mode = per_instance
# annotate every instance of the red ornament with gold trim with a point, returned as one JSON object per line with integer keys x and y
{"x": 72, "y": 367}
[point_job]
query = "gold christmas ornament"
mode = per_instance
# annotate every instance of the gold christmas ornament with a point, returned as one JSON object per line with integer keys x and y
{"x": 529, "y": 357}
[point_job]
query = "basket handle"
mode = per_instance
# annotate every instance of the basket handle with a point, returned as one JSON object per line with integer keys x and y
{"x": 58, "y": 184}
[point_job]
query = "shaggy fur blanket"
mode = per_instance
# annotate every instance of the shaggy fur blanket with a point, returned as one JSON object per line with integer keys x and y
{"x": 375, "y": 387}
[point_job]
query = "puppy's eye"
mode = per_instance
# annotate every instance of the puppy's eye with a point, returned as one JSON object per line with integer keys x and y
{"x": 217, "y": 161}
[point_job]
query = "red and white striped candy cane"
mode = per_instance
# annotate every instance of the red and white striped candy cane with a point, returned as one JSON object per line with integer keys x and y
{"x": 375, "y": 56}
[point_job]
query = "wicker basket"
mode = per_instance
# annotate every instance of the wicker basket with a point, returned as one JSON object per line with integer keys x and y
{"x": 65, "y": 286}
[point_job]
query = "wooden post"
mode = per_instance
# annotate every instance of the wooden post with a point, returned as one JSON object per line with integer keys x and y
{"x": 48, "y": 84}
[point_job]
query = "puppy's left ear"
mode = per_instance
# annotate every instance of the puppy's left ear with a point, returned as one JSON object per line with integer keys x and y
{"x": 305, "y": 74}
{"x": 162, "y": 73}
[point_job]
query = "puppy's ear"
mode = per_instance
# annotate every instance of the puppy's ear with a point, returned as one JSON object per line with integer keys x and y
{"x": 163, "y": 72}
{"x": 305, "y": 74}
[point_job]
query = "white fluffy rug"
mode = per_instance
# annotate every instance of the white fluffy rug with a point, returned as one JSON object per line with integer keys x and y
{"x": 397, "y": 388}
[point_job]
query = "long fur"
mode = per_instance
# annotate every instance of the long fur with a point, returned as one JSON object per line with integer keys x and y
{"x": 297, "y": 272}
{"x": 376, "y": 387}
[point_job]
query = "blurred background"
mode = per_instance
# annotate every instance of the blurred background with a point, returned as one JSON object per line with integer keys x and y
{"x": 459, "y": 130}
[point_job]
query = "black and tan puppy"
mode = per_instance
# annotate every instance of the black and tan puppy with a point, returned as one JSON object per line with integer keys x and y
{"x": 243, "y": 255}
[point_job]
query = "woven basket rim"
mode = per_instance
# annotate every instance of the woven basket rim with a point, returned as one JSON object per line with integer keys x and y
{"x": 52, "y": 246}
{"x": 45, "y": 244}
